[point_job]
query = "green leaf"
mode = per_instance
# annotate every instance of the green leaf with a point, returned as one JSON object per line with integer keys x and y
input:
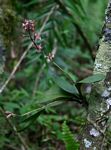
{"x": 27, "y": 123}
{"x": 30, "y": 117}
{"x": 65, "y": 85}
{"x": 53, "y": 93}
{"x": 93, "y": 78}
{"x": 33, "y": 114}
{"x": 30, "y": 3}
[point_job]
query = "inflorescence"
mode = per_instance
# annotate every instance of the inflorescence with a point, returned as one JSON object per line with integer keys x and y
{"x": 29, "y": 27}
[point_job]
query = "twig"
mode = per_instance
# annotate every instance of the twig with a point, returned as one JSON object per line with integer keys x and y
{"x": 15, "y": 68}
{"x": 14, "y": 129}
{"x": 24, "y": 54}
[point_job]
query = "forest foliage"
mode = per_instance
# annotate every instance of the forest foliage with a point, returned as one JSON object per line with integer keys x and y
{"x": 46, "y": 99}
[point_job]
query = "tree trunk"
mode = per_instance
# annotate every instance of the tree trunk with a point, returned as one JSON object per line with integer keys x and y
{"x": 95, "y": 133}
{"x": 9, "y": 32}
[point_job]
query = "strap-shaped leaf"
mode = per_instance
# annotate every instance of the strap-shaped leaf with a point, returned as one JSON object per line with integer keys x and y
{"x": 65, "y": 85}
{"x": 53, "y": 93}
{"x": 93, "y": 78}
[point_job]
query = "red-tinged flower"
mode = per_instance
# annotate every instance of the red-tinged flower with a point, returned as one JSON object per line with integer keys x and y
{"x": 28, "y": 25}
{"x": 37, "y": 36}
{"x": 38, "y": 47}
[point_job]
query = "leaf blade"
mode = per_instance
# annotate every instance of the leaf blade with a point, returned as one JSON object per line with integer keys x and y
{"x": 92, "y": 79}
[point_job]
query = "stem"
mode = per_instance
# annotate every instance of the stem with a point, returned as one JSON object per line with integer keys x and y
{"x": 15, "y": 68}
{"x": 33, "y": 41}
{"x": 67, "y": 75}
{"x": 38, "y": 78}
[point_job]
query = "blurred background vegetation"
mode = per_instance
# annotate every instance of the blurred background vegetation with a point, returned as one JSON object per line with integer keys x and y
{"x": 73, "y": 28}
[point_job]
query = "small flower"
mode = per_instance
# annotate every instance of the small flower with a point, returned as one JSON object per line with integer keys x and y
{"x": 28, "y": 25}
{"x": 37, "y": 36}
{"x": 38, "y": 47}
{"x": 50, "y": 57}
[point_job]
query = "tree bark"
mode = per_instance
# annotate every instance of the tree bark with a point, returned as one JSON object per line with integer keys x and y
{"x": 95, "y": 133}
{"x": 10, "y": 30}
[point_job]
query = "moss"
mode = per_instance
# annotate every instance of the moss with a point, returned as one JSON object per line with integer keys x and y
{"x": 8, "y": 29}
{"x": 8, "y": 23}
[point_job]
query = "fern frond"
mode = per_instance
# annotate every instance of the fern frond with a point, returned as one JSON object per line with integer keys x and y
{"x": 68, "y": 138}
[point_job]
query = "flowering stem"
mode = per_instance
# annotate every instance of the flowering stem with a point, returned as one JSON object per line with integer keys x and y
{"x": 24, "y": 54}
{"x": 33, "y": 41}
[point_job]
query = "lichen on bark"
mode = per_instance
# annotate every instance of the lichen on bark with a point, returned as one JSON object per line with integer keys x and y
{"x": 103, "y": 58}
{"x": 99, "y": 110}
